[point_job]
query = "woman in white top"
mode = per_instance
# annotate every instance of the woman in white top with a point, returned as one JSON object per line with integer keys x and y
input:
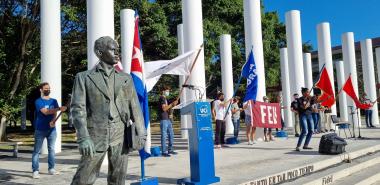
{"x": 218, "y": 111}
{"x": 251, "y": 130}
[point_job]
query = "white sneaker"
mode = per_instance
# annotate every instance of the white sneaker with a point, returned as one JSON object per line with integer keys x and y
{"x": 253, "y": 142}
{"x": 250, "y": 142}
{"x": 53, "y": 172}
{"x": 36, "y": 175}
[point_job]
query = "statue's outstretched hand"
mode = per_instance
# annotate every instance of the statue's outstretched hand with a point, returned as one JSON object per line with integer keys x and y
{"x": 141, "y": 142}
{"x": 86, "y": 147}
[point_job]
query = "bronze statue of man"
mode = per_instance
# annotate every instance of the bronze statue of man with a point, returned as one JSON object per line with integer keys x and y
{"x": 103, "y": 102}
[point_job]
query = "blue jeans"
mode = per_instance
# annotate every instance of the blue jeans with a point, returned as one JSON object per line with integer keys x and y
{"x": 166, "y": 130}
{"x": 316, "y": 121}
{"x": 307, "y": 124}
{"x": 368, "y": 117}
{"x": 236, "y": 123}
{"x": 39, "y": 136}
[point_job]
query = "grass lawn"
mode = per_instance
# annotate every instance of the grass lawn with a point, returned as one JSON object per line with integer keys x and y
{"x": 68, "y": 135}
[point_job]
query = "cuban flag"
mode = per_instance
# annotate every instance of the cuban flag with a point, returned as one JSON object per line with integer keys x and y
{"x": 249, "y": 71}
{"x": 137, "y": 73}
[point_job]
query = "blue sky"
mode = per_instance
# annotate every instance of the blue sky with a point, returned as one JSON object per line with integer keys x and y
{"x": 358, "y": 16}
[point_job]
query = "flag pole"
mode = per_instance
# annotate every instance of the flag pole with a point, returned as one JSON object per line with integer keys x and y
{"x": 319, "y": 74}
{"x": 341, "y": 89}
{"x": 233, "y": 95}
{"x": 236, "y": 87}
{"x": 191, "y": 69}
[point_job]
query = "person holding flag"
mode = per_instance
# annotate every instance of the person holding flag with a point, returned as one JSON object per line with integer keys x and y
{"x": 218, "y": 112}
{"x": 249, "y": 72}
{"x": 166, "y": 124}
{"x": 306, "y": 120}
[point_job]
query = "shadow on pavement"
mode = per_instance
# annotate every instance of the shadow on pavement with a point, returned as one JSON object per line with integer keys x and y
{"x": 303, "y": 152}
{"x": 8, "y": 175}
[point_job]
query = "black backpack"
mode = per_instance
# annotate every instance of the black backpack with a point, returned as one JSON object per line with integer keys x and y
{"x": 332, "y": 144}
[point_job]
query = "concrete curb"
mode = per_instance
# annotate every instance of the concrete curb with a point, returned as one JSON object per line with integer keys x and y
{"x": 370, "y": 180}
{"x": 300, "y": 171}
{"x": 328, "y": 179}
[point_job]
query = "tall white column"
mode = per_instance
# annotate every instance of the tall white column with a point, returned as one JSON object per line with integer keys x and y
{"x": 349, "y": 59}
{"x": 324, "y": 54}
{"x": 343, "y": 109}
{"x": 369, "y": 76}
{"x": 288, "y": 118}
{"x": 377, "y": 50}
{"x": 184, "y": 118}
{"x": 51, "y": 56}
{"x": 127, "y": 26}
{"x": 193, "y": 39}
{"x": 227, "y": 77}
{"x": 294, "y": 43}
{"x": 308, "y": 70}
{"x": 253, "y": 40}
{"x": 100, "y": 22}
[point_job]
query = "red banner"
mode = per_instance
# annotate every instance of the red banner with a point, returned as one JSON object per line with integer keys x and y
{"x": 266, "y": 115}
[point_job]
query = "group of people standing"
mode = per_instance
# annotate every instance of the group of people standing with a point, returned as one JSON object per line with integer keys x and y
{"x": 219, "y": 108}
{"x": 310, "y": 118}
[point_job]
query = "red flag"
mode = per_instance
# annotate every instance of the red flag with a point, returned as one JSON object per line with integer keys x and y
{"x": 349, "y": 89}
{"x": 324, "y": 83}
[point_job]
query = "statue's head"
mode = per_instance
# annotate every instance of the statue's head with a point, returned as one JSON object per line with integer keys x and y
{"x": 107, "y": 50}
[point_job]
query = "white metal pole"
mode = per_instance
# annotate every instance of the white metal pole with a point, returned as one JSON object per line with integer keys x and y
{"x": 369, "y": 76}
{"x": 253, "y": 40}
{"x": 349, "y": 59}
{"x": 288, "y": 118}
{"x": 294, "y": 43}
{"x": 343, "y": 109}
{"x": 324, "y": 54}
{"x": 51, "y": 56}
{"x": 227, "y": 77}
{"x": 127, "y": 26}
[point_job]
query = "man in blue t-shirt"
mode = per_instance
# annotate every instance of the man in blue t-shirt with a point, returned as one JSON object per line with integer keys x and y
{"x": 46, "y": 112}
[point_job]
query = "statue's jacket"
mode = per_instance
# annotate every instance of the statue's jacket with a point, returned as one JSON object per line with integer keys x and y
{"x": 90, "y": 106}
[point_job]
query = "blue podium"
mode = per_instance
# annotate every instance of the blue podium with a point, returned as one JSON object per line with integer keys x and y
{"x": 201, "y": 145}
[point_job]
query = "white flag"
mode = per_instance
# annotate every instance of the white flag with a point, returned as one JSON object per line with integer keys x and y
{"x": 177, "y": 66}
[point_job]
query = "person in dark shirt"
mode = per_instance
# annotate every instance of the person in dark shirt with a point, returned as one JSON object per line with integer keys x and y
{"x": 294, "y": 107}
{"x": 166, "y": 124}
{"x": 306, "y": 119}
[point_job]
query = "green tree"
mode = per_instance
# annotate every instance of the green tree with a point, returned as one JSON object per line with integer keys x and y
{"x": 20, "y": 43}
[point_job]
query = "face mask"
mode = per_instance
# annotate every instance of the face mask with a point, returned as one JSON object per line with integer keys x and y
{"x": 222, "y": 99}
{"x": 46, "y": 92}
{"x": 167, "y": 93}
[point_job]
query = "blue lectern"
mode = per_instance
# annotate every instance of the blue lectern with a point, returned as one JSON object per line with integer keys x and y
{"x": 202, "y": 166}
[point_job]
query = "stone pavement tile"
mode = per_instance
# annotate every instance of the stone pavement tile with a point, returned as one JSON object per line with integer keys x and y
{"x": 235, "y": 164}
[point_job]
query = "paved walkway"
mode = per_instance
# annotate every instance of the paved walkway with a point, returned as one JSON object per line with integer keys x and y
{"x": 234, "y": 164}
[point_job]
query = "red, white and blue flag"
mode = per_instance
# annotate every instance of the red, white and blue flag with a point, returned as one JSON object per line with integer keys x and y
{"x": 137, "y": 73}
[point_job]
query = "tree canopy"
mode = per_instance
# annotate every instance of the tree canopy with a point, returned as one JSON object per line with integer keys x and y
{"x": 20, "y": 42}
